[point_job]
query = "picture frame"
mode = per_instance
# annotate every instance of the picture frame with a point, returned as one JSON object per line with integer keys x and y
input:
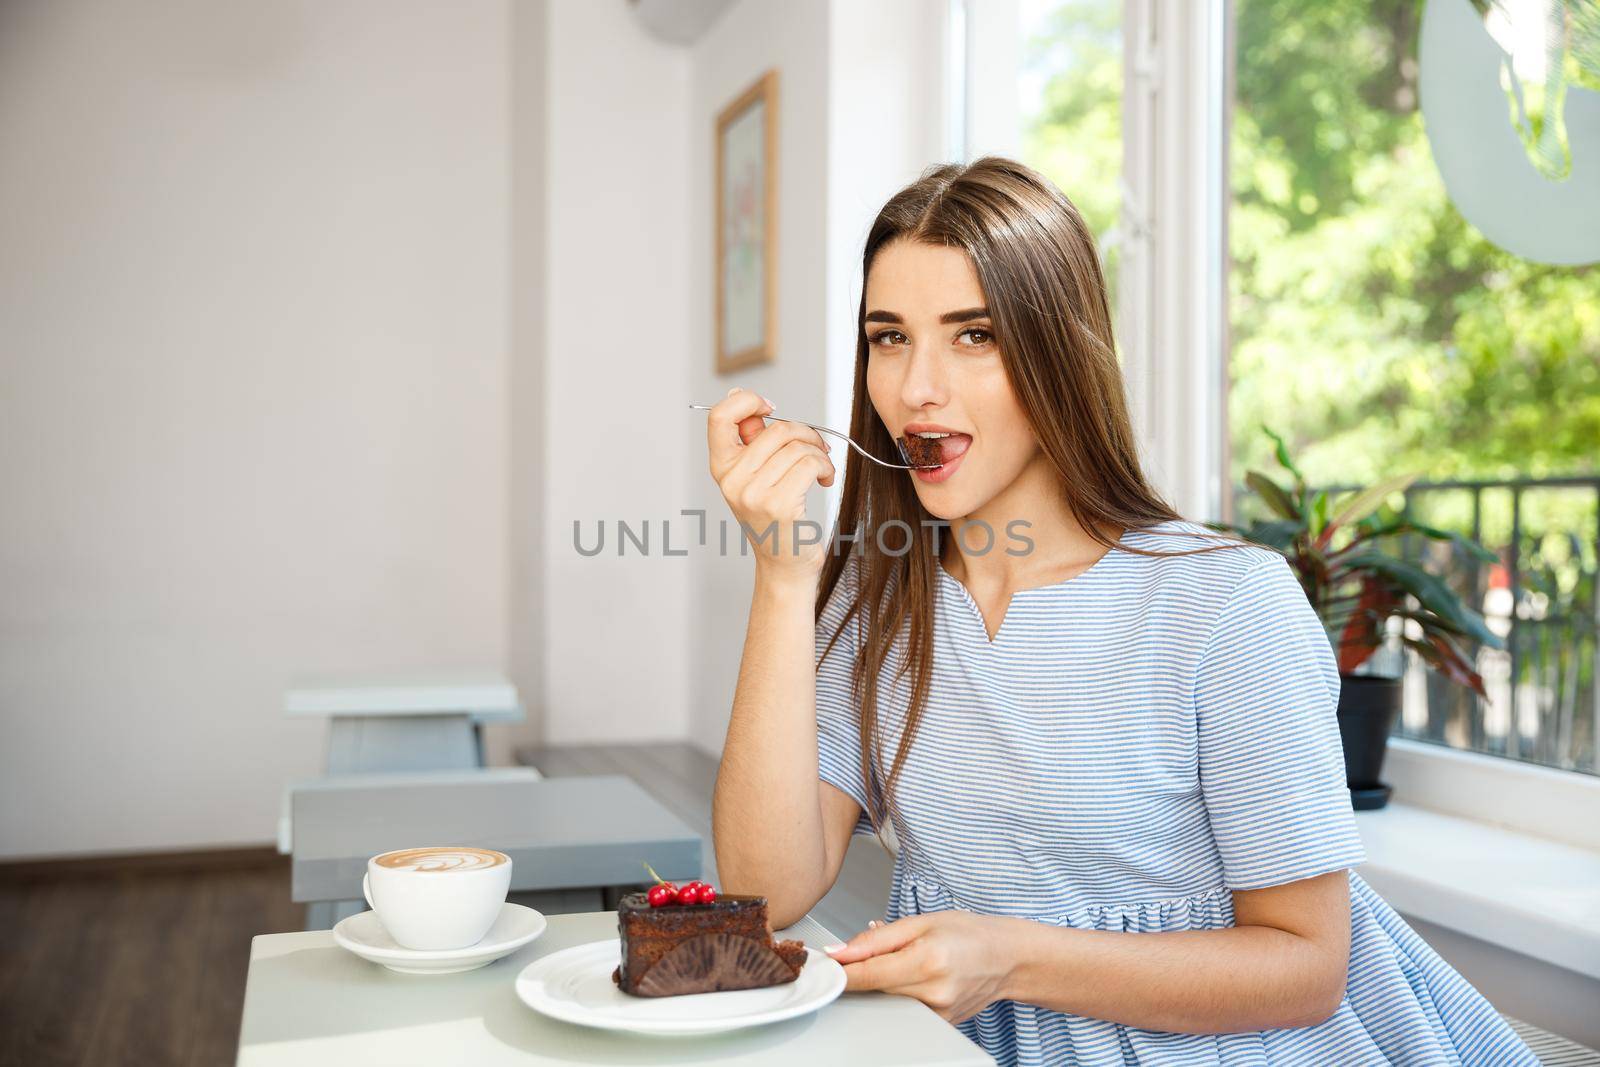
{"x": 745, "y": 217}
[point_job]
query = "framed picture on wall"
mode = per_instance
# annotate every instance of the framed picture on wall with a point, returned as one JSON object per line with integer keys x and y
{"x": 746, "y": 219}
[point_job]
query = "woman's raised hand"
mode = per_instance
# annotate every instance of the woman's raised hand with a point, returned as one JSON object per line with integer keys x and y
{"x": 764, "y": 471}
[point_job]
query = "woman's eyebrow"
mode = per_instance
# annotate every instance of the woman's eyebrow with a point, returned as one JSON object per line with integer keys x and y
{"x": 964, "y": 315}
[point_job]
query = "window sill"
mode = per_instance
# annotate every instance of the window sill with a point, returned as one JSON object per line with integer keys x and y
{"x": 1525, "y": 894}
{"x": 1538, "y": 801}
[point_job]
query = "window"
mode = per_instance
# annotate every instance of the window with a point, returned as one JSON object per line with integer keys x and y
{"x": 1381, "y": 332}
{"x": 1394, "y": 300}
{"x": 1070, "y": 109}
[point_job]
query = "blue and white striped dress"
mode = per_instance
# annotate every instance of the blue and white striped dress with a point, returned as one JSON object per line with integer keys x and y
{"x": 1136, "y": 742}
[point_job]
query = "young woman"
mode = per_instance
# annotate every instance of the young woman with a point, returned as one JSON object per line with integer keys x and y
{"x": 1103, "y": 736}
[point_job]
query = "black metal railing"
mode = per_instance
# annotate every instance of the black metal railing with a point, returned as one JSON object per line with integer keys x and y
{"x": 1541, "y": 597}
{"x": 1542, "y": 704}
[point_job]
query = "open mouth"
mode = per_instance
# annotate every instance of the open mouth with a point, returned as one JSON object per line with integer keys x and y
{"x": 934, "y": 452}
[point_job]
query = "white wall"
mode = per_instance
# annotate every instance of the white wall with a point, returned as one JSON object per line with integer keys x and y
{"x": 885, "y": 127}
{"x": 752, "y": 37}
{"x": 617, "y": 344}
{"x": 994, "y": 64}
{"x": 525, "y": 383}
{"x": 851, "y": 75}
{"x": 253, "y": 419}
{"x": 309, "y": 368}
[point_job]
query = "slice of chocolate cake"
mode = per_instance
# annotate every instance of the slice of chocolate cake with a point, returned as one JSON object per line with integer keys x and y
{"x": 701, "y": 948}
{"x": 921, "y": 452}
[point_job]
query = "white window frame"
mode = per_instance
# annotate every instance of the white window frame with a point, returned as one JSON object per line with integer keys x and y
{"x": 992, "y": 50}
{"x": 1173, "y": 326}
{"x": 1170, "y": 311}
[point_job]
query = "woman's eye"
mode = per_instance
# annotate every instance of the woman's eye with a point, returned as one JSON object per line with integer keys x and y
{"x": 888, "y": 337}
{"x": 976, "y": 337}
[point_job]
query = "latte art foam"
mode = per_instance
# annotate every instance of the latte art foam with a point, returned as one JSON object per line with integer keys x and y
{"x": 441, "y": 860}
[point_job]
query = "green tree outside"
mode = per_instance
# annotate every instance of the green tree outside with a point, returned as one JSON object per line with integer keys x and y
{"x": 1370, "y": 323}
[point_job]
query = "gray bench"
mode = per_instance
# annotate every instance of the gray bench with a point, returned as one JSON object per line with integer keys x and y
{"x": 1552, "y": 1049}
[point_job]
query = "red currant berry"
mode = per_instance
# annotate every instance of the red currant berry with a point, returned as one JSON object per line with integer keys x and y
{"x": 708, "y": 895}
{"x": 662, "y": 893}
{"x": 689, "y": 894}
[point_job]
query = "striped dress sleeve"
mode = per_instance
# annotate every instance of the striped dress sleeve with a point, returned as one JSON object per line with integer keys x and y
{"x": 838, "y": 718}
{"x": 1271, "y": 764}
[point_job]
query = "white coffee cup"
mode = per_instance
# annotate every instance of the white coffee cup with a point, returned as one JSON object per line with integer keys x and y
{"x": 437, "y": 898}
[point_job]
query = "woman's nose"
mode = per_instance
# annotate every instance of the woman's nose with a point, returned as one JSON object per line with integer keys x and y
{"x": 925, "y": 382}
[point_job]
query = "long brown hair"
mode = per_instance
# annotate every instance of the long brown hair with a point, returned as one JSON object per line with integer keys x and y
{"x": 1041, "y": 277}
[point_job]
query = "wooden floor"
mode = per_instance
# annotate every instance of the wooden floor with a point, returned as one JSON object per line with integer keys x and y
{"x": 681, "y": 777}
{"x": 133, "y": 963}
{"x": 132, "y": 966}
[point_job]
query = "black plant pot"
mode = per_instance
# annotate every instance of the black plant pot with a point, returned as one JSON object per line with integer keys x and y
{"x": 1367, "y": 708}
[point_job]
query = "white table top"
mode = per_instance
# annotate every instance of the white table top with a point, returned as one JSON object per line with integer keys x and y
{"x": 308, "y": 1002}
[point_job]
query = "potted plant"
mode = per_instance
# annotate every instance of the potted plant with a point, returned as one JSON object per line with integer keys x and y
{"x": 1356, "y": 589}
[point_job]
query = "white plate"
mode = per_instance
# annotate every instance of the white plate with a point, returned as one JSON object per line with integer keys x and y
{"x": 364, "y": 935}
{"x": 575, "y": 985}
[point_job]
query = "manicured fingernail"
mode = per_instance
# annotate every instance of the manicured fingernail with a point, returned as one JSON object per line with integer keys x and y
{"x": 735, "y": 389}
{"x": 871, "y": 923}
{"x": 767, "y": 402}
{"x": 832, "y": 948}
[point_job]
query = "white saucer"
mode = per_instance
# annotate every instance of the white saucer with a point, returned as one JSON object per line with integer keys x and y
{"x": 364, "y": 935}
{"x": 575, "y": 985}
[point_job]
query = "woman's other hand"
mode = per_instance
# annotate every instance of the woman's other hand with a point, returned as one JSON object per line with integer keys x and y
{"x": 955, "y": 962}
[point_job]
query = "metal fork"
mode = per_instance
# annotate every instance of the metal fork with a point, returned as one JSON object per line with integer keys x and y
{"x": 863, "y": 453}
